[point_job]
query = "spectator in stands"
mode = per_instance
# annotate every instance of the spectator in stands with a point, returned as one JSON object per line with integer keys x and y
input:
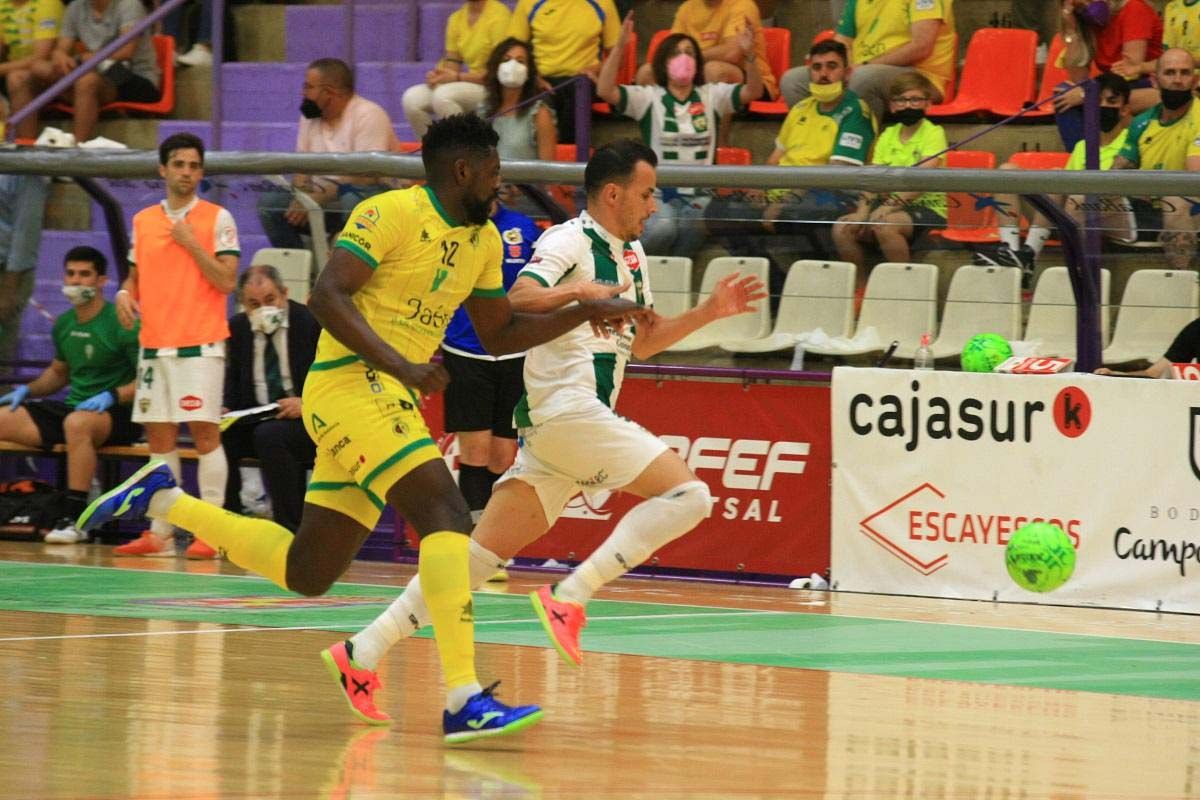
{"x": 131, "y": 73}
{"x": 335, "y": 120}
{"x": 200, "y": 54}
{"x": 271, "y": 347}
{"x": 678, "y": 117}
{"x": 1183, "y": 350}
{"x": 183, "y": 258}
{"x": 831, "y": 126}
{"x": 22, "y": 207}
{"x": 28, "y": 31}
{"x": 456, "y": 84}
{"x": 719, "y": 26}
{"x": 887, "y": 39}
{"x": 1120, "y": 36}
{"x": 526, "y": 133}
{"x": 1116, "y": 219}
{"x": 1181, "y": 28}
{"x": 569, "y": 38}
{"x": 1164, "y": 138}
{"x": 894, "y": 220}
{"x": 484, "y": 389}
{"x": 97, "y": 358}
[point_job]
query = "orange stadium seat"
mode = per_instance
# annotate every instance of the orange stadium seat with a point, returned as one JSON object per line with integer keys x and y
{"x": 1052, "y": 75}
{"x": 655, "y": 41}
{"x": 990, "y": 233}
{"x": 164, "y": 53}
{"x": 779, "y": 57}
{"x": 969, "y": 217}
{"x": 999, "y": 74}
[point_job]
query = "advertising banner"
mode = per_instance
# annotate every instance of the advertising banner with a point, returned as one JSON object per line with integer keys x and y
{"x": 935, "y": 470}
{"x": 764, "y": 452}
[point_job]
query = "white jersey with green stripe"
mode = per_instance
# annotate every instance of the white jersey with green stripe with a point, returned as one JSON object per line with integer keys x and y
{"x": 579, "y": 371}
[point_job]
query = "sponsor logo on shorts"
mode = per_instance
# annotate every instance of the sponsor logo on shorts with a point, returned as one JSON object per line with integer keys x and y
{"x": 144, "y": 404}
{"x": 339, "y": 445}
{"x": 597, "y": 479}
{"x": 189, "y": 402}
{"x": 373, "y": 380}
{"x": 362, "y": 462}
{"x": 391, "y": 406}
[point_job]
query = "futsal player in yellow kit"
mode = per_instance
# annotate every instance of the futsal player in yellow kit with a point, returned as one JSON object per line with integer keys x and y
{"x": 405, "y": 261}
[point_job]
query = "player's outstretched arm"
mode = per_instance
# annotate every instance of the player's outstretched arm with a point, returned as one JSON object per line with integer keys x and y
{"x": 732, "y": 295}
{"x": 502, "y": 330}
{"x": 331, "y": 303}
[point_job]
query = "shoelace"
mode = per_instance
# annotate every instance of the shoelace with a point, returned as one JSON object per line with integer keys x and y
{"x": 490, "y": 691}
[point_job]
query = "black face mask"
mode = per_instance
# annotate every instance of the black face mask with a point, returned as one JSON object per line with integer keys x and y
{"x": 909, "y": 116}
{"x": 310, "y": 109}
{"x": 1109, "y": 117}
{"x": 1175, "y": 98}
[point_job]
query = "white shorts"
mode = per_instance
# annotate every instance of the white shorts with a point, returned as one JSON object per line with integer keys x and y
{"x": 589, "y": 452}
{"x": 174, "y": 389}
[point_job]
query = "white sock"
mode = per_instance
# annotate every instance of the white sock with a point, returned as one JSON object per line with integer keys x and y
{"x": 1011, "y": 236}
{"x": 158, "y": 510}
{"x": 408, "y": 613}
{"x": 457, "y": 697}
{"x": 647, "y": 527}
{"x": 211, "y": 474}
{"x": 1036, "y": 238}
{"x": 159, "y": 505}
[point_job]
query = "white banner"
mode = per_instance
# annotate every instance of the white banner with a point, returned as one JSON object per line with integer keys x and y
{"x": 933, "y": 471}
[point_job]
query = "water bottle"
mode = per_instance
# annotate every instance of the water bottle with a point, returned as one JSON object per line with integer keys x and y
{"x": 924, "y": 356}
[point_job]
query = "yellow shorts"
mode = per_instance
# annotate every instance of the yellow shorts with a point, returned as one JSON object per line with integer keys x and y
{"x": 369, "y": 433}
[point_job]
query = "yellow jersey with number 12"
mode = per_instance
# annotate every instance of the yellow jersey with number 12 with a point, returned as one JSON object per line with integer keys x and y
{"x": 425, "y": 265}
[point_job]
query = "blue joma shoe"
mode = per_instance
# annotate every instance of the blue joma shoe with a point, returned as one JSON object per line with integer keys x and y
{"x": 484, "y": 715}
{"x": 129, "y": 500}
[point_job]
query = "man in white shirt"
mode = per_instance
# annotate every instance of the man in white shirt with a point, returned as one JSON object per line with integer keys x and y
{"x": 334, "y": 120}
{"x": 572, "y": 440}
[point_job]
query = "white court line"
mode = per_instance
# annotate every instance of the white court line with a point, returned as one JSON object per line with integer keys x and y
{"x": 240, "y": 629}
{"x": 523, "y": 598}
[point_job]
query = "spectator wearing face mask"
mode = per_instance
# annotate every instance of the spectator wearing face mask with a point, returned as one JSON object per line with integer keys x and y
{"x": 678, "y": 116}
{"x": 335, "y": 120}
{"x": 527, "y": 133}
{"x": 456, "y": 84}
{"x": 271, "y": 346}
{"x": 1122, "y": 36}
{"x": 96, "y": 357}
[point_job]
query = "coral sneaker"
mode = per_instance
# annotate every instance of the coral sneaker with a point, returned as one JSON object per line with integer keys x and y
{"x": 484, "y": 715}
{"x": 148, "y": 544}
{"x": 200, "y": 550}
{"x": 359, "y": 684}
{"x": 563, "y": 622}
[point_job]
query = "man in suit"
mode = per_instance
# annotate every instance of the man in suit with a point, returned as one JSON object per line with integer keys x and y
{"x": 271, "y": 346}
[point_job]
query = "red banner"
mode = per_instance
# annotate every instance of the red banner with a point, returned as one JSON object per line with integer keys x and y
{"x": 764, "y": 452}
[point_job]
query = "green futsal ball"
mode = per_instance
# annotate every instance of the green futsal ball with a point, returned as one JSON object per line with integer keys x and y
{"x": 984, "y": 351}
{"x": 1039, "y": 557}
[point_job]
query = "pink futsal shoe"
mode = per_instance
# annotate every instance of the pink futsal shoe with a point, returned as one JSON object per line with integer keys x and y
{"x": 358, "y": 683}
{"x": 563, "y": 621}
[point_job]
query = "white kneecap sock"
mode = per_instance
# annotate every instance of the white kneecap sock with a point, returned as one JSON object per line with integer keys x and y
{"x": 408, "y": 613}
{"x": 158, "y": 510}
{"x": 212, "y": 473}
{"x": 648, "y": 526}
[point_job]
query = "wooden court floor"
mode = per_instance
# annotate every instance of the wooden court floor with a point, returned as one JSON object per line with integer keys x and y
{"x": 129, "y": 678}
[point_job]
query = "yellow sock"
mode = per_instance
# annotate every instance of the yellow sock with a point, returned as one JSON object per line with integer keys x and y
{"x": 259, "y": 545}
{"x": 446, "y": 584}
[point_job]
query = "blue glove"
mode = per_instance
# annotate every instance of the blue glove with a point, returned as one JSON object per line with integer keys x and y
{"x": 15, "y": 397}
{"x": 99, "y": 402}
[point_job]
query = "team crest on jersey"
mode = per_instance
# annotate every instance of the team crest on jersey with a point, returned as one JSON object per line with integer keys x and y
{"x": 631, "y": 261}
{"x": 367, "y": 220}
{"x": 513, "y": 236}
{"x": 227, "y": 238}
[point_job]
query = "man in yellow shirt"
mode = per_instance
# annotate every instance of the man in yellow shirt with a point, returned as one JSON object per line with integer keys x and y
{"x": 398, "y": 272}
{"x": 569, "y": 38}
{"x": 885, "y": 39}
{"x": 28, "y": 30}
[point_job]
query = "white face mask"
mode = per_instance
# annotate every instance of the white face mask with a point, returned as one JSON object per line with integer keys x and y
{"x": 266, "y": 319}
{"x": 512, "y": 73}
{"x": 79, "y": 295}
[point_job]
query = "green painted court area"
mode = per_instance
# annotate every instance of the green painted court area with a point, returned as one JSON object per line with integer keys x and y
{"x": 779, "y": 639}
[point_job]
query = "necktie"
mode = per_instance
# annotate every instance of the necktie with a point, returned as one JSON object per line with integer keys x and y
{"x": 271, "y": 369}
